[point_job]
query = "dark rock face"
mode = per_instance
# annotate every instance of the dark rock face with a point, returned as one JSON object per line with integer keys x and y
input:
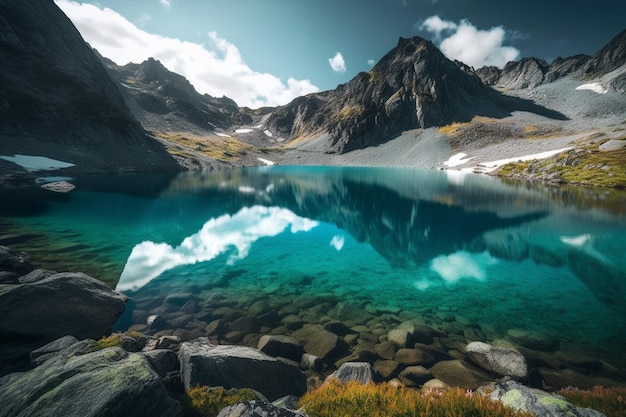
{"x": 109, "y": 382}
{"x": 57, "y": 100}
{"x": 611, "y": 57}
{"x": 238, "y": 367}
{"x": 413, "y": 86}
{"x": 154, "y": 94}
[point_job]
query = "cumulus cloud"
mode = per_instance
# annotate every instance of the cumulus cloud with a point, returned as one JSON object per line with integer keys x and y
{"x": 216, "y": 68}
{"x": 470, "y": 45}
{"x": 337, "y": 63}
{"x": 371, "y": 62}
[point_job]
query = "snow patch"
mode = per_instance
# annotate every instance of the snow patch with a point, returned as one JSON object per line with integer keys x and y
{"x": 267, "y": 162}
{"x": 223, "y": 135}
{"x": 457, "y": 159}
{"x": 268, "y": 133}
{"x": 595, "y": 87}
{"x": 243, "y": 131}
{"x": 491, "y": 166}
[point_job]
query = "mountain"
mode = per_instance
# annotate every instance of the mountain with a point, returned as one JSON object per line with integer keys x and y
{"x": 57, "y": 100}
{"x": 531, "y": 72}
{"x": 413, "y": 86}
{"x": 163, "y": 100}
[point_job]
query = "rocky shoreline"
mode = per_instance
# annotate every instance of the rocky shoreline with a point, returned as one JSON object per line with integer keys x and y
{"x": 60, "y": 342}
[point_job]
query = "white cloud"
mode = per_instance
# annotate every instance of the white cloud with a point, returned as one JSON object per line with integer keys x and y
{"x": 216, "y": 68}
{"x": 234, "y": 233}
{"x": 470, "y": 45}
{"x": 337, "y": 63}
{"x": 371, "y": 62}
{"x": 166, "y": 3}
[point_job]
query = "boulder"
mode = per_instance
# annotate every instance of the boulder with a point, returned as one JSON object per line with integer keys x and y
{"x": 327, "y": 346}
{"x": 500, "y": 360}
{"x": 311, "y": 362}
{"x": 386, "y": 350}
{"x": 534, "y": 340}
{"x": 414, "y": 375}
{"x": 540, "y": 403}
{"x": 63, "y": 304}
{"x": 400, "y": 337}
{"x": 202, "y": 363}
{"x": 457, "y": 373}
{"x": 258, "y": 409}
{"x": 284, "y": 346}
{"x": 413, "y": 357}
{"x": 387, "y": 368}
{"x": 108, "y": 382}
{"x": 362, "y": 372}
{"x": 52, "y": 348}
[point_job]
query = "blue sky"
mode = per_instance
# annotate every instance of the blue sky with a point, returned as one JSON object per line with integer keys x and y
{"x": 267, "y": 52}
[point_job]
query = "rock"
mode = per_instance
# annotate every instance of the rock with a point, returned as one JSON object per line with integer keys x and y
{"x": 244, "y": 324}
{"x": 292, "y": 321}
{"x": 387, "y": 368}
{"x": 258, "y": 409}
{"x": 361, "y": 372}
{"x": 327, "y": 346}
{"x": 413, "y": 357}
{"x": 238, "y": 367}
{"x": 457, "y": 373}
{"x": 424, "y": 334}
{"x": 540, "y": 403}
{"x": 109, "y": 382}
{"x": 500, "y": 360}
{"x": 534, "y": 340}
{"x": 612, "y": 145}
{"x": 414, "y": 375}
{"x": 59, "y": 186}
{"x": 435, "y": 384}
{"x": 14, "y": 261}
{"x": 400, "y": 337}
{"x": 311, "y": 362}
{"x": 157, "y": 322}
{"x": 563, "y": 378}
{"x": 284, "y": 346}
{"x": 36, "y": 275}
{"x": 288, "y": 401}
{"x": 51, "y": 348}
{"x": 163, "y": 342}
{"x": 163, "y": 361}
{"x": 62, "y": 304}
{"x": 385, "y": 350}
{"x": 338, "y": 327}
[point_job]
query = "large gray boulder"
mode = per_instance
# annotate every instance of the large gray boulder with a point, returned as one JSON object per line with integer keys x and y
{"x": 500, "y": 360}
{"x": 104, "y": 383}
{"x": 202, "y": 363}
{"x": 63, "y": 304}
{"x": 258, "y": 409}
{"x": 517, "y": 396}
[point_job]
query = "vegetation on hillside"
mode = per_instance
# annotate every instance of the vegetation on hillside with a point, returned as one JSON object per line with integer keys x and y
{"x": 609, "y": 401}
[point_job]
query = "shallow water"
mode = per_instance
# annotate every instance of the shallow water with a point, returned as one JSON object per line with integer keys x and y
{"x": 457, "y": 251}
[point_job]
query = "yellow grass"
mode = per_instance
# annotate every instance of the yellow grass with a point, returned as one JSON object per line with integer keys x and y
{"x": 216, "y": 147}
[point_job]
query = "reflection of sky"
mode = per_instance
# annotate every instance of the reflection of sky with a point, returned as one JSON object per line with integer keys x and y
{"x": 148, "y": 259}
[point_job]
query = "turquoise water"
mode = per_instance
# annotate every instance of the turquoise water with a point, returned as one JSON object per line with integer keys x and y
{"x": 455, "y": 250}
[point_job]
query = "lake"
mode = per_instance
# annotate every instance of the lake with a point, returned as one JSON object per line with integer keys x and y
{"x": 469, "y": 255}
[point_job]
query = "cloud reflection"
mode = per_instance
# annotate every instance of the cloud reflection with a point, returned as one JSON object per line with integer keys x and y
{"x": 148, "y": 259}
{"x": 337, "y": 242}
{"x": 462, "y": 264}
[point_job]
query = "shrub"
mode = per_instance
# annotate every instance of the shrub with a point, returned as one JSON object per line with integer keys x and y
{"x": 609, "y": 401}
{"x": 113, "y": 340}
{"x": 206, "y": 402}
{"x": 334, "y": 399}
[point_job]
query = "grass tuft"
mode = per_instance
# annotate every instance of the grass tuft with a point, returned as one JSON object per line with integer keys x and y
{"x": 205, "y": 402}
{"x": 113, "y": 340}
{"x": 334, "y": 399}
{"x": 609, "y": 401}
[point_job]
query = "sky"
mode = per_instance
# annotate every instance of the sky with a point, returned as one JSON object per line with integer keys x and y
{"x": 267, "y": 52}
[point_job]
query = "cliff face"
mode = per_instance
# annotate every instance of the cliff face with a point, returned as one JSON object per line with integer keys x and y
{"x": 413, "y": 86}
{"x": 57, "y": 100}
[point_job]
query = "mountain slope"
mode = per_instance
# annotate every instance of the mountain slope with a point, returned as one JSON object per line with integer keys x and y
{"x": 163, "y": 100}
{"x": 57, "y": 100}
{"x": 413, "y": 86}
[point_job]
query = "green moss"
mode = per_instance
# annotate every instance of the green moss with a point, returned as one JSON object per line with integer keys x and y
{"x": 113, "y": 340}
{"x": 512, "y": 398}
{"x": 552, "y": 400}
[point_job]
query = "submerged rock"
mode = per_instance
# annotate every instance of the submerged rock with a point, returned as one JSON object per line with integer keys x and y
{"x": 202, "y": 363}
{"x": 258, "y": 409}
{"x": 109, "y": 382}
{"x": 517, "y": 396}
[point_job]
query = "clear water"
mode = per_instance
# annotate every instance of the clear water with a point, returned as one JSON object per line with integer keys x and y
{"x": 464, "y": 250}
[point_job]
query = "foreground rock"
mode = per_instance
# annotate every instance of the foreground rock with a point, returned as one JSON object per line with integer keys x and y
{"x": 502, "y": 361}
{"x": 202, "y": 363}
{"x": 78, "y": 382}
{"x": 540, "y": 403}
{"x": 258, "y": 409}
{"x": 361, "y": 372}
{"x": 59, "y": 305}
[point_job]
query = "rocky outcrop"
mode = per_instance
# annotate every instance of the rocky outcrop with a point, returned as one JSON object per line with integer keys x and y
{"x": 502, "y": 361}
{"x": 540, "y": 403}
{"x": 78, "y": 381}
{"x": 238, "y": 367}
{"x": 57, "y": 100}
